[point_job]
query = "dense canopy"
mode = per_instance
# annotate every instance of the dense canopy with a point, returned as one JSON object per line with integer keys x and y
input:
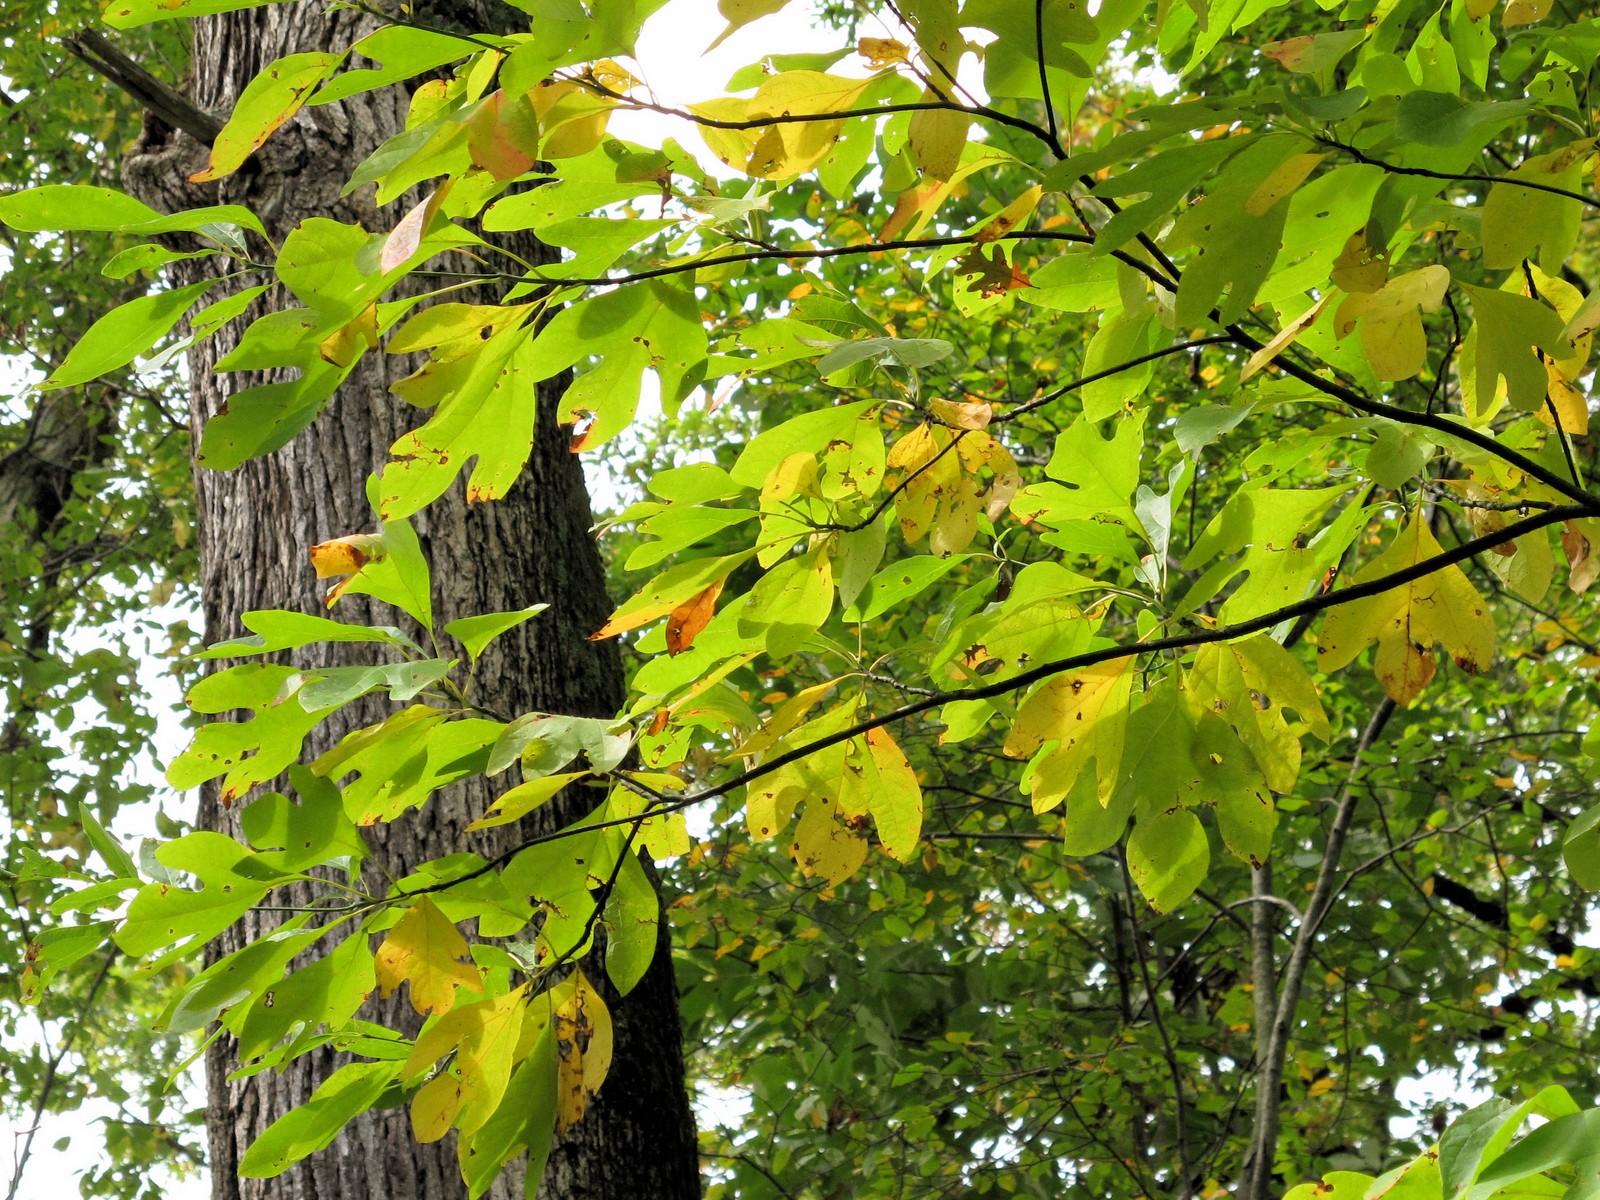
{"x": 1105, "y": 589}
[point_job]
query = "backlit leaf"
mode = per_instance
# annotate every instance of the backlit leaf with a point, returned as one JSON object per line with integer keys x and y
{"x": 425, "y": 949}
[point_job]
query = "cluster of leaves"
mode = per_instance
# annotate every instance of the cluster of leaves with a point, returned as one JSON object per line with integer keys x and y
{"x": 1081, "y": 409}
{"x": 96, "y": 536}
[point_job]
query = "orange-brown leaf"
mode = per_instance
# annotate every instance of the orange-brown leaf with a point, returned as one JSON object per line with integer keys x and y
{"x": 689, "y": 618}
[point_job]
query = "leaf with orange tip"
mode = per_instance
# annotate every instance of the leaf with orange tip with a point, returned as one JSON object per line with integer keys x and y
{"x": 667, "y": 591}
{"x": 268, "y": 102}
{"x": 345, "y": 556}
{"x": 992, "y": 276}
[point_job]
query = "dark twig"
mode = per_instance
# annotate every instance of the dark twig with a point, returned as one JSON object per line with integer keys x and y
{"x": 155, "y": 96}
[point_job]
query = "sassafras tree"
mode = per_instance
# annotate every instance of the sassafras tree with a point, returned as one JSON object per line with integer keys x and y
{"x": 1145, "y": 611}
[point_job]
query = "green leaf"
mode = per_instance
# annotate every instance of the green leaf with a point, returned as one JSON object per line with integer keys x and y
{"x": 790, "y": 602}
{"x": 147, "y": 257}
{"x": 1511, "y": 330}
{"x": 1167, "y": 857}
{"x": 1462, "y": 1146}
{"x": 632, "y": 917}
{"x": 810, "y": 432}
{"x": 1580, "y": 850}
{"x": 350, "y": 1090}
{"x": 908, "y": 352}
{"x": 485, "y": 412}
{"x": 656, "y": 324}
{"x": 275, "y": 629}
{"x": 525, "y": 1119}
{"x": 475, "y": 633}
{"x": 232, "y": 880}
{"x": 332, "y": 687}
{"x": 248, "y": 752}
{"x": 548, "y": 743}
{"x": 1571, "y": 1141}
{"x": 292, "y": 837}
{"x": 106, "y": 845}
{"x": 405, "y": 760}
{"x": 1236, "y": 239}
{"x": 1098, "y": 477}
{"x": 403, "y": 51}
{"x": 267, "y": 103}
{"x": 124, "y": 333}
{"x": 1446, "y": 119}
{"x": 59, "y": 207}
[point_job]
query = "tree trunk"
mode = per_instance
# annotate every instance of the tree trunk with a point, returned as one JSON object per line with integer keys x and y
{"x": 255, "y": 525}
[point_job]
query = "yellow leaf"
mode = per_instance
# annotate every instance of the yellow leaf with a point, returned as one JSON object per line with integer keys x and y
{"x": 1249, "y": 684}
{"x": 882, "y": 53}
{"x": 1086, "y": 712}
{"x": 1578, "y": 540}
{"x": 484, "y": 1038}
{"x": 893, "y": 795}
{"x": 781, "y": 151}
{"x": 938, "y": 136}
{"x": 1321, "y": 1087}
{"x": 968, "y": 414}
{"x": 583, "y": 1048}
{"x": 1391, "y": 320}
{"x": 1407, "y": 621}
{"x": 425, "y": 948}
{"x": 740, "y": 13}
{"x": 1564, "y": 403}
{"x": 521, "y": 800}
{"x": 1012, "y": 215}
{"x": 1288, "y": 175}
{"x": 1359, "y": 267}
{"x": 1525, "y": 12}
{"x": 571, "y": 118}
{"x": 347, "y": 343}
{"x": 1284, "y": 338}
{"x": 825, "y": 843}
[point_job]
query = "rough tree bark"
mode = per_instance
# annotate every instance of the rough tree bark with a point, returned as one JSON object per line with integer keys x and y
{"x": 255, "y": 525}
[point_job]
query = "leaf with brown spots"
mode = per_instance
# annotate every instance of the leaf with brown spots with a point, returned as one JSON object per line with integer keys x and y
{"x": 1406, "y": 621}
{"x": 992, "y": 275}
{"x": 426, "y": 949}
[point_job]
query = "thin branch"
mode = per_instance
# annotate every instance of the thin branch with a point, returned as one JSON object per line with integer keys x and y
{"x": 685, "y": 266}
{"x": 1044, "y": 78}
{"x": 1215, "y": 339}
{"x": 1264, "y": 1142}
{"x": 1180, "y": 1117}
{"x": 1453, "y": 176}
{"x": 683, "y": 114}
{"x": 1376, "y": 408}
{"x": 53, "y": 1071}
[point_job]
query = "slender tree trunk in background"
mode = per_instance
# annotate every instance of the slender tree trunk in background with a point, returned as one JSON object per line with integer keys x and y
{"x": 255, "y": 525}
